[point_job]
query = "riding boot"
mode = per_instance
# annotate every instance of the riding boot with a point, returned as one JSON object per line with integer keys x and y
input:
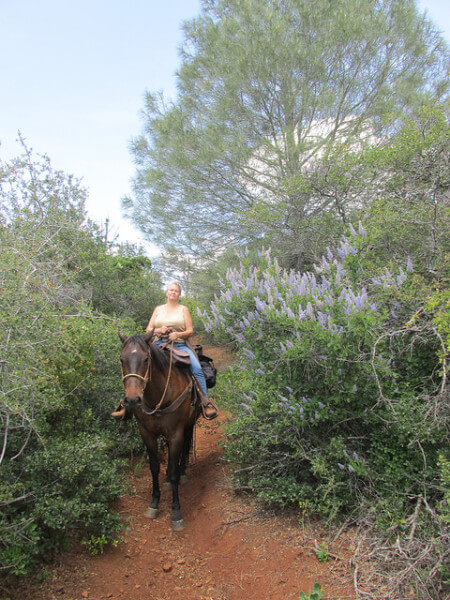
{"x": 209, "y": 410}
{"x": 120, "y": 413}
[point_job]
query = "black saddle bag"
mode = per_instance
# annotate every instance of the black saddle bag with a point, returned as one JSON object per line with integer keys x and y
{"x": 207, "y": 364}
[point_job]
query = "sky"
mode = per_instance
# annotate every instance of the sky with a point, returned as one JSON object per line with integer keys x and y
{"x": 73, "y": 79}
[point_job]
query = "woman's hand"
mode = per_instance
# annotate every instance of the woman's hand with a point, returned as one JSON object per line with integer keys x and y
{"x": 162, "y": 330}
{"x": 173, "y": 336}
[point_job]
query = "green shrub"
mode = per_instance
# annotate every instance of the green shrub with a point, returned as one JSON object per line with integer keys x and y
{"x": 66, "y": 488}
{"x": 315, "y": 594}
{"x": 339, "y": 402}
{"x": 59, "y": 371}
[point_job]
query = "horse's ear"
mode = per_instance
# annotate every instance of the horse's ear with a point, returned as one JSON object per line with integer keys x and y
{"x": 123, "y": 337}
{"x": 148, "y": 336}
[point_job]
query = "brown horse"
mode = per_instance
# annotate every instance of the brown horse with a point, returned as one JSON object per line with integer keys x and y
{"x": 162, "y": 397}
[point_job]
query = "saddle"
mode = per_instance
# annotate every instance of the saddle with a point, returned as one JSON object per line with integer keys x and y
{"x": 179, "y": 357}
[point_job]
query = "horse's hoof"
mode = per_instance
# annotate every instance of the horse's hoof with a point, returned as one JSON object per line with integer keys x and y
{"x": 183, "y": 478}
{"x": 152, "y": 513}
{"x": 178, "y": 525}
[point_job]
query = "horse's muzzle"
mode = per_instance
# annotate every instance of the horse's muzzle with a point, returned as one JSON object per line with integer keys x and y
{"x": 132, "y": 403}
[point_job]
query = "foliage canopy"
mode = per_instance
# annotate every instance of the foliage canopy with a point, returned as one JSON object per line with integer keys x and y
{"x": 265, "y": 89}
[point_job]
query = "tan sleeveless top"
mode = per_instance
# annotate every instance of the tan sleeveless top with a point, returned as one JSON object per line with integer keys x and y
{"x": 174, "y": 319}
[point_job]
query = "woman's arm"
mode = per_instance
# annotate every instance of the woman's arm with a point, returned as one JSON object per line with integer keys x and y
{"x": 189, "y": 329}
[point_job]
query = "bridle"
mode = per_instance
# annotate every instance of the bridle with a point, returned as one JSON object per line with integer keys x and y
{"x": 148, "y": 373}
{"x": 148, "y": 377}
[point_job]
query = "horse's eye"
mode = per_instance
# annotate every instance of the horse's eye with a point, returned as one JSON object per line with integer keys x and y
{"x": 146, "y": 359}
{"x": 121, "y": 360}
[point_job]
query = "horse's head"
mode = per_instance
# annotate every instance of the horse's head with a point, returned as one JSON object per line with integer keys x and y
{"x": 136, "y": 369}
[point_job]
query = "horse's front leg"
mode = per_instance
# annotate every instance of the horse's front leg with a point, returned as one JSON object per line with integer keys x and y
{"x": 152, "y": 449}
{"x": 175, "y": 448}
{"x": 187, "y": 444}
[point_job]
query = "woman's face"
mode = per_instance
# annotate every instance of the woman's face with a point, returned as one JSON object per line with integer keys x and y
{"x": 173, "y": 292}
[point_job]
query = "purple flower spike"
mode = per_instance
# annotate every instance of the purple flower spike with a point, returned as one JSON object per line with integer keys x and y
{"x": 248, "y": 353}
{"x": 409, "y": 265}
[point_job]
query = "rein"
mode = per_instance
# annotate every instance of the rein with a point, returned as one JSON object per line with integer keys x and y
{"x": 167, "y": 384}
{"x": 175, "y": 404}
{"x": 148, "y": 377}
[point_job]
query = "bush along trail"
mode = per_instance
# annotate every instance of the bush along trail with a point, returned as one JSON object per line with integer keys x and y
{"x": 232, "y": 548}
{"x": 339, "y": 400}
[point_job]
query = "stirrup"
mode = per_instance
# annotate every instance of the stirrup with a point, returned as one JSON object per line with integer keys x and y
{"x": 214, "y": 413}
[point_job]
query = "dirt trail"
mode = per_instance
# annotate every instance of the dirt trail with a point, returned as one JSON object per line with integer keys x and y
{"x": 230, "y": 549}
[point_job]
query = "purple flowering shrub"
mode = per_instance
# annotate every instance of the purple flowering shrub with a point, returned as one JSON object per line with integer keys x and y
{"x": 332, "y": 387}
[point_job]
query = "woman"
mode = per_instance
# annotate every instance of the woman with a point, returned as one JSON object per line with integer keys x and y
{"x": 173, "y": 320}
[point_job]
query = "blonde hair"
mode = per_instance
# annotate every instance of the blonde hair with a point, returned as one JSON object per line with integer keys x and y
{"x": 175, "y": 283}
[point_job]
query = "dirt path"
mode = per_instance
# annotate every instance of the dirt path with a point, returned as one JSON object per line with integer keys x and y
{"x": 230, "y": 549}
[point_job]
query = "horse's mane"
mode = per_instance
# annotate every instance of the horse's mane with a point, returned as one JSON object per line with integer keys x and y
{"x": 160, "y": 358}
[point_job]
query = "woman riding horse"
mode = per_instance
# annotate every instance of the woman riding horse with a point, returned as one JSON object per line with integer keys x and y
{"x": 162, "y": 397}
{"x": 173, "y": 320}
